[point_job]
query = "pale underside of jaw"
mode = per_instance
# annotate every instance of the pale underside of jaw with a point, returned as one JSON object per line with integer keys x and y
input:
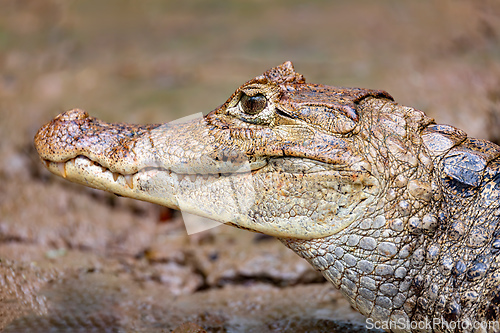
{"x": 224, "y": 197}
{"x": 198, "y": 194}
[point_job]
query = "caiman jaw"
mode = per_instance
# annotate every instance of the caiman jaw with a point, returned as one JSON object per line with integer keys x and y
{"x": 135, "y": 157}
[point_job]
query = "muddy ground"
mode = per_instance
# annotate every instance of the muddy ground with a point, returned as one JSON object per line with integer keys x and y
{"x": 73, "y": 258}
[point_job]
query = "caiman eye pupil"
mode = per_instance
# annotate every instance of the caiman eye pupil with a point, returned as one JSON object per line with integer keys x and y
{"x": 253, "y": 104}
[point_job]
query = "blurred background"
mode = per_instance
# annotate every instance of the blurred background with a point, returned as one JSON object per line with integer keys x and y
{"x": 72, "y": 257}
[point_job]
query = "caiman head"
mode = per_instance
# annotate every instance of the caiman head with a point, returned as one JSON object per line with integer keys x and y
{"x": 280, "y": 156}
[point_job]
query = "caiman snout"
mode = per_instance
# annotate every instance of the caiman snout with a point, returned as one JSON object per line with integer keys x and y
{"x": 75, "y": 133}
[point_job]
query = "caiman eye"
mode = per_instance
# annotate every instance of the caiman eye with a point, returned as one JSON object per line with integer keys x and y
{"x": 253, "y": 104}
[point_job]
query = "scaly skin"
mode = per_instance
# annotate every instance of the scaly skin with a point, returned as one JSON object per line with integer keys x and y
{"x": 398, "y": 213}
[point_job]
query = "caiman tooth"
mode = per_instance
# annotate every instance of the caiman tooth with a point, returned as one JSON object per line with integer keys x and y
{"x": 103, "y": 169}
{"x": 192, "y": 178}
{"x": 180, "y": 177}
{"x": 62, "y": 168}
{"x": 205, "y": 176}
{"x": 46, "y": 163}
{"x": 115, "y": 176}
{"x": 129, "y": 180}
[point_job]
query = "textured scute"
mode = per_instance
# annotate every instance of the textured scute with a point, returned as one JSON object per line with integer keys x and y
{"x": 439, "y": 139}
{"x": 464, "y": 167}
{"x": 466, "y": 163}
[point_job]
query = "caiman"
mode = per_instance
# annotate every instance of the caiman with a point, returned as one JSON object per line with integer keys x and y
{"x": 399, "y": 213}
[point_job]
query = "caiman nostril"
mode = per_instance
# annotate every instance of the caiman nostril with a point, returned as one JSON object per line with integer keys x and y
{"x": 75, "y": 114}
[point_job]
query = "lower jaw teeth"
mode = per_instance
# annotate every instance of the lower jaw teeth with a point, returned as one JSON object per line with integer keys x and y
{"x": 129, "y": 180}
{"x": 62, "y": 169}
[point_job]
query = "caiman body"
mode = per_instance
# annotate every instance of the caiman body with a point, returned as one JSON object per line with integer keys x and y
{"x": 397, "y": 212}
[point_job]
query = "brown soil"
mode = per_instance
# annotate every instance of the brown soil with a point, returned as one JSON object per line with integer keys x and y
{"x": 73, "y": 258}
